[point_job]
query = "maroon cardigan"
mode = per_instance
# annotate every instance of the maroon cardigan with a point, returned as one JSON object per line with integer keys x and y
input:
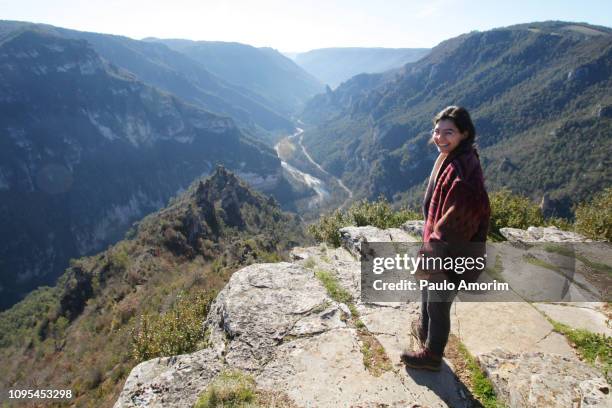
{"x": 457, "y": 209}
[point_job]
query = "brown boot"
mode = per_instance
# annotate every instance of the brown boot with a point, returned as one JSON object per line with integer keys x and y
{"x": 417, "y": 333}
{"x": 424, "y": 359}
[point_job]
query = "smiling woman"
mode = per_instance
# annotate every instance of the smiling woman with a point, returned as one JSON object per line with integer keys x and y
{"x": 457, "y": 211}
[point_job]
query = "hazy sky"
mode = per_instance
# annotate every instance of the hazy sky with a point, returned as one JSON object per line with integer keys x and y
{"x": 299, "y": 25}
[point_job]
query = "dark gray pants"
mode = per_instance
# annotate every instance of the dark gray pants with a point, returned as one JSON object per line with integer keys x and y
{"x": 435, "y": 317}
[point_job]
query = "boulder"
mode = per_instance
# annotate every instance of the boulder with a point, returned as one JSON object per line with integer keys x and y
{"x": 260, "y": 305}
{"x": 414, "y": 228}
{"x": 579, "y": 315}
{"x": 353, "y": 237}
{"x": 170, "y": 381}
{"x": 542, "y": 234}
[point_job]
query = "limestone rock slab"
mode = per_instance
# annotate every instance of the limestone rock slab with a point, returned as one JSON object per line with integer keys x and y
{"x": 170, "y": 381}
{"x": 328, "y": 371}
{"x": 577, "y": 316}
{"x": 414, "y": 228}
{"x": 261, "y": 304}
{"x": 353, "y": 237}
{"x": 543, "y": 380}
{"x": 512, "y": 326}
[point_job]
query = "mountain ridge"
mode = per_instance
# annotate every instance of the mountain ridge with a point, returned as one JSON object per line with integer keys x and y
{"x": 337, "y": 64}
{"x": 89, "y": 149}
{"x": 271, "y": 74}
{"x": 519, "y": 84}
{"x": 86, "y": 324}
{"x": 173, "y": 72}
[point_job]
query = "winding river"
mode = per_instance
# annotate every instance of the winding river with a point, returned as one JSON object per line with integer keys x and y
{"x": 319, "y": 186}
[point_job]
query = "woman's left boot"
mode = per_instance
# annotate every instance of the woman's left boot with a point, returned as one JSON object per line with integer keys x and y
{"x": 424, "y": 359}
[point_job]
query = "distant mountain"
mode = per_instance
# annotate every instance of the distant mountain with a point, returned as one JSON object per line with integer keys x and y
{"x": 335, "y": 65}
{"x": 86, "y": 149}
{"x": 261, "y": 70}
{"x": 173, "y": 72}
{"x": 77, "y": 335}
{"x": 540, "y": 95}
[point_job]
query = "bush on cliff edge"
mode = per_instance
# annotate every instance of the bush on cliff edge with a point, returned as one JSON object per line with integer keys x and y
{"x": 379, "y": 214}
{"x": 594, "y": 218}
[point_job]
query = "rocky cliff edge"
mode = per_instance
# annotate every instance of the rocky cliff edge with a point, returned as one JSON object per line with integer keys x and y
{"x": 278, "y": 323}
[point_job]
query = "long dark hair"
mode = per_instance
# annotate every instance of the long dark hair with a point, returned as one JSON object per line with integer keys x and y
{"x": 461, "y": 118}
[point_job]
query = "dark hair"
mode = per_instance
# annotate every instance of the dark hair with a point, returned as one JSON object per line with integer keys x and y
{"x": 461, "y": 118}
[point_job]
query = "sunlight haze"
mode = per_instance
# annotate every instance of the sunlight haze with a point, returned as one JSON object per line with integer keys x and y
{"x": 301, "y": 26}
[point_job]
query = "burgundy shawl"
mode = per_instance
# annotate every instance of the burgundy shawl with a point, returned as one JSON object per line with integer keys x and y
{"x": 456, "y": 207}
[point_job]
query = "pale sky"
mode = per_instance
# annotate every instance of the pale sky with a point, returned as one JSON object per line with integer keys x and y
{"x": 299, "y": 25}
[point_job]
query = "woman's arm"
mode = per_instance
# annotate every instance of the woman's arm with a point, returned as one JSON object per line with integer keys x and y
{"x": 462, "y": 212}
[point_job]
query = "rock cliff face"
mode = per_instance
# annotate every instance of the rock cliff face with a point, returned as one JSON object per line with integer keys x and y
{"x": 176, "y": 73}
{"x": 282, "y": 325}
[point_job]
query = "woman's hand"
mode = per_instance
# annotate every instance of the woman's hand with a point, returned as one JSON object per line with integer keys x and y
{"x": 429, "y": 276}
{"x": 422, "y": 275}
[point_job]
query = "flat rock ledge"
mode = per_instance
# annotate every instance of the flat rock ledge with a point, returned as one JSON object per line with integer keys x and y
{"x": 277, "y": 323}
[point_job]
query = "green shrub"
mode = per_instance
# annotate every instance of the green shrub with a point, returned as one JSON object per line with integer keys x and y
{"x": 118, "y": 258}
{"x": 378, "y": 214}
{"x": 29, "y": 318}
{"x": 309, "y": 263}
{"x": 560, "y": 223}
{"x": 57, "y": 331}
{"x": 217, "y": 265}
{"x": 230, "y": 389}
{"x": 93, "y": 377}
{"x": 268, "y": 257}
{"x": 594, "y": 218}
{"x": 328, "y": 226}
{"x": 178, "y": 331}
{"x": 513, "y": 211}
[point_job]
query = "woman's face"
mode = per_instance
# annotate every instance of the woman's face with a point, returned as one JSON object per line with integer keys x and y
{"x": 446, "y": 136}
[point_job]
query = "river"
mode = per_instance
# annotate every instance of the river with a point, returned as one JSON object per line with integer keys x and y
{"x": 319, "y": 186}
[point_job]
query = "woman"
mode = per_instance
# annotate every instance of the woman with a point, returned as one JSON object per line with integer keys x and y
{"x": 456, "y": 209}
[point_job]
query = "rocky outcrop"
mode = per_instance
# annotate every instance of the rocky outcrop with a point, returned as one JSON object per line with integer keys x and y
{"x": 353, "y": 237}
{"x": 279, "y": 323}
{"x": 263, "y": 304}
{"x": 539, "y": 379}
{"x": 604, "y": 111}
{"x": 542, "y": 234}
{"x": 414, "y": 228}
{"x": 170, "y": 381}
